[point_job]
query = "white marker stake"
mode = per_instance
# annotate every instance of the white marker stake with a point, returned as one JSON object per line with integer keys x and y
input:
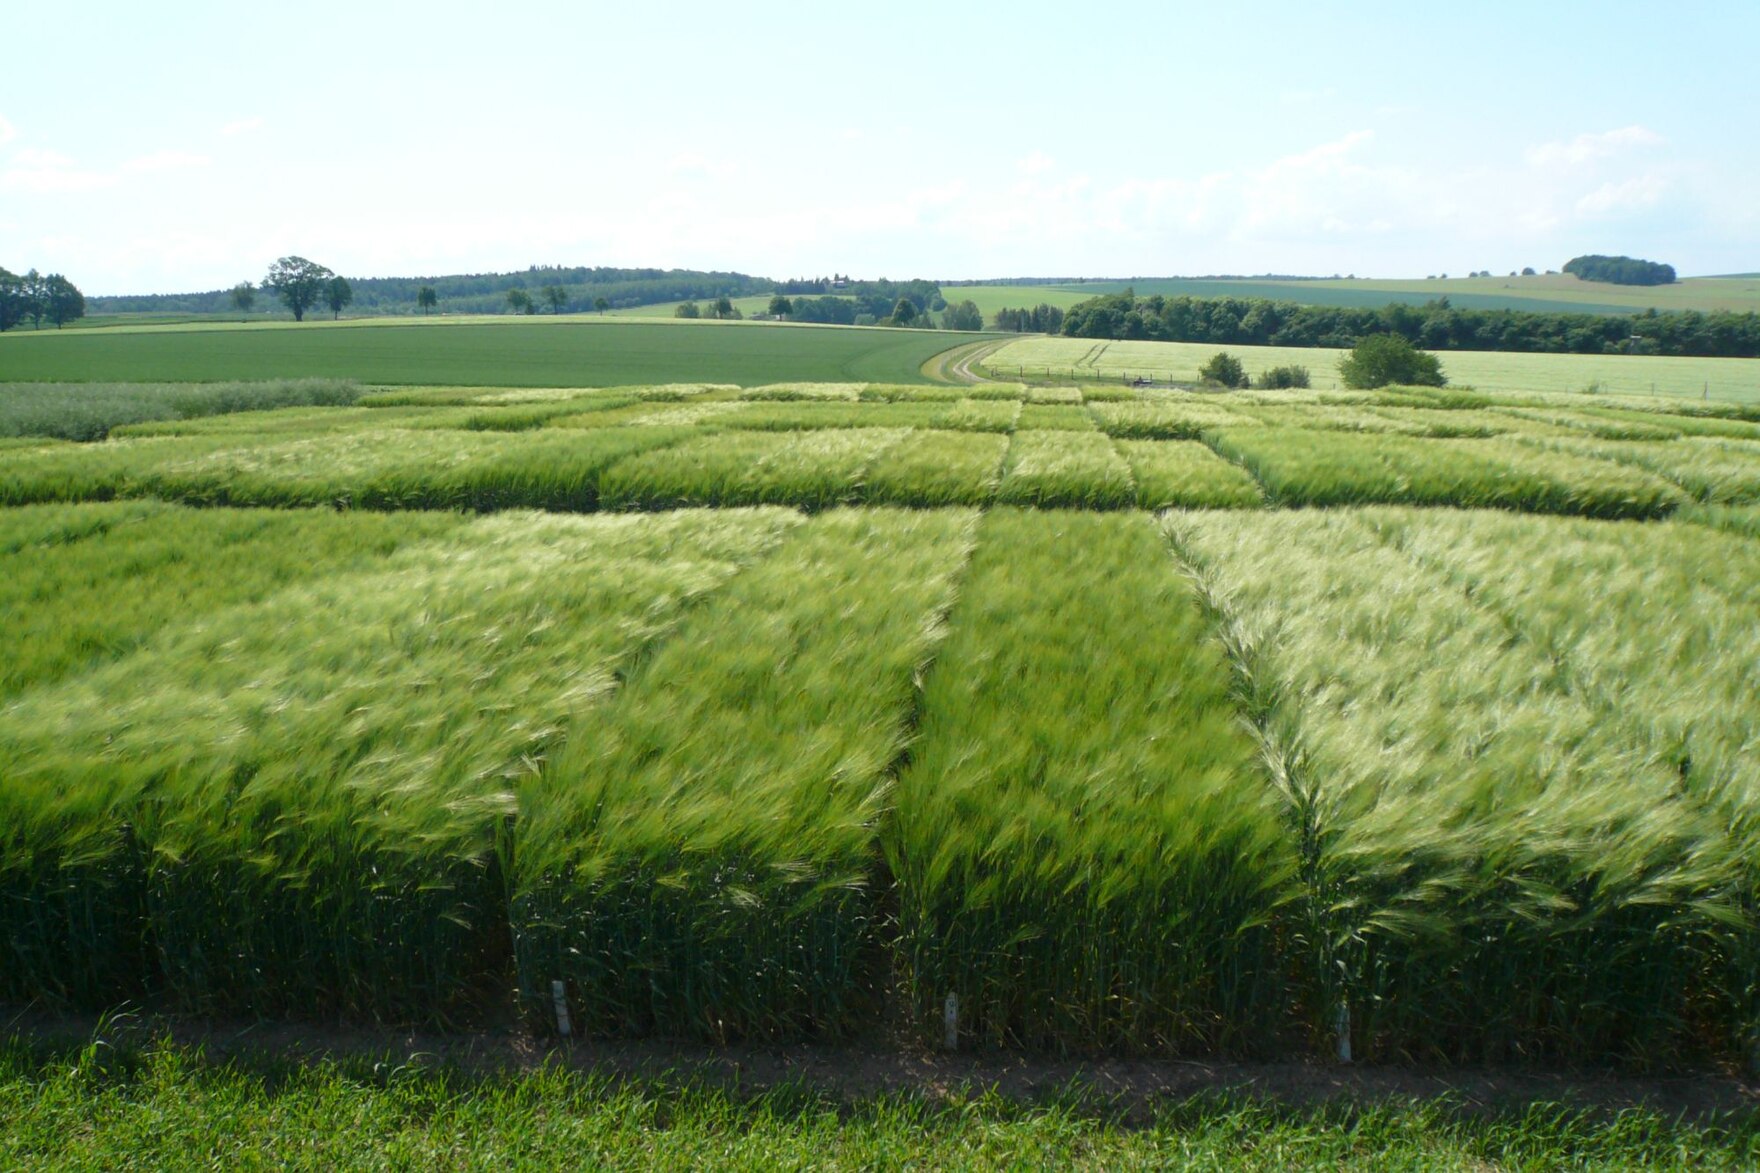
{"x": 950, "y": 1021}
{"x": 560, "y": 1001}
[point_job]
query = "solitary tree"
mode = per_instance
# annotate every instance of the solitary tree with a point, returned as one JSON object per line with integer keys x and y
{"x": 299, "y": 284}
{"x": 1380, "y": 359}
{"x": 723, "y": 308}
{"x": 557, "y": 296}
{"x": 688, "y": 309}
{"x": 337, "y": 294}
{"x": 519, "y": 301}
{"x": 780, "y": 306}
{"x": 244, "y": 296}
{"x": 1224, "y": 369}
{"x": 62, "y": 301}
{"x": 426, "y": 298}
{"x": 600, "y": 304}
{"x": 904, "y": 313}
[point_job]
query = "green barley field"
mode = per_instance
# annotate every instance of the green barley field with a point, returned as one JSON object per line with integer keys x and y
{"x": 1043, "y": 722}
{"x": 1088, "y": 360}
{"x": 576, "y": 351}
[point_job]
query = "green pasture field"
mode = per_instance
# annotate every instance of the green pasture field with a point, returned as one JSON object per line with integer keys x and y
{"x": 1559, "y": 293}
{"x": 579, "y": 351}
{"x": 1079, "y": 359}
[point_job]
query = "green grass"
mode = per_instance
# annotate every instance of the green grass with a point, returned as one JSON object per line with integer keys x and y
{"x": 700, "y": 860}
{"x": 512, "y": 353}
{"x": 104, "y": 1107}
{"x": 1734, "y": 380}
{"x": 1086, "y": 852}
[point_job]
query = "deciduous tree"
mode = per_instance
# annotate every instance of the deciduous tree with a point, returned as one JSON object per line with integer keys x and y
{"x": 337, "y": 294}
{"x": 62, "y": 300}
{"x": 1381, "y": 359}
{"x": 1223, "y": 369}
{"x": 299, "y": 284}
{"x": 519, "y": 301}
{"x": 244, "y": 296}
{"x": 557, "y": 296}
{"x": 426, "y": 298}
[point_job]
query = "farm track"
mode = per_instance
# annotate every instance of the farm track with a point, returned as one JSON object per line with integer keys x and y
{"x": 959, "y": 364}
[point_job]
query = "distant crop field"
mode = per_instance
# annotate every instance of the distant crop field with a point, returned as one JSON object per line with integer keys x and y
{"x": 575, "y": 352}
{"x": 1733, "y": 379}
{"x": 1557, "y": 293}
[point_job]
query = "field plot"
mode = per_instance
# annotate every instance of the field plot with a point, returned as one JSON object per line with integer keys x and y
{"x": 1491, "y": 871}
{"x": 293, "y": 808}
{"x": 1733, "y": 379}
{"x": 699, "y": 860}
{"x": 1187, "y": 475}
{"x": 816, "y": 469}
{"x": 1299, "y": 466}
{"x": 1086, "y": 849}
{"x": 937, "y": 468}
{"x": 573, "y": 352}
{"x": 1714, "y": 471}
{"x": 1055, "y": 468}
{"x": 89, "y": 411}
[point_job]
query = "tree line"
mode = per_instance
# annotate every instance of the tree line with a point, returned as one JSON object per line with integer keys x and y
{"x": 38, "y": 297}
{"x": 1435, "y": 325}
{"x": 1041, "y": 319}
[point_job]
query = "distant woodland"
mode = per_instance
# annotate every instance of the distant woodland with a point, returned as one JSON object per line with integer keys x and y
{"x": 1436, "y": 325}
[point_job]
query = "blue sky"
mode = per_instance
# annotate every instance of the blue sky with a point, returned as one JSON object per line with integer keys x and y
{"x": 148, "y": 148}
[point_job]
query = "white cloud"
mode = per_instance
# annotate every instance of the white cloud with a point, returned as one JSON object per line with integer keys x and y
{"x": 1586, "y": 148}
{"x": 1628, "y": 195}
{"x": 241, "y": 126}
{"x": 34, "y": 169}
{"x": 1035, "y": 163}
{"x": 165, "y": 161}
{"x": 7, "y": 132}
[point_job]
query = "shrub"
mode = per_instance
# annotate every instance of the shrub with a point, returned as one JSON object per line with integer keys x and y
{"x": 1284, "y": 378}
{"x": 1381, "y": 359}
{"x": 1225, "y": 370}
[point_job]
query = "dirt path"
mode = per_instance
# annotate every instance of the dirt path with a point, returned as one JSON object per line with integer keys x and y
{"x": 959, "y": 364}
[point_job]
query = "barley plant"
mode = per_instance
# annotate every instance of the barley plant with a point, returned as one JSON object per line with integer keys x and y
{"x": 298, "y": 807}
{"x": 1490, "y": 870}
{"x": 1184, "y": 474}
{"x": 1057, "y": 468}
{"x": 700, "y": 859}
{"x": 934, "y": 468}
{"x": 1086, "y": 851}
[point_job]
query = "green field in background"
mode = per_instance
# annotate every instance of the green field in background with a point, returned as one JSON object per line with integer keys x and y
{"x": 1732, "y": 379}
{"x": 528, "y": 352}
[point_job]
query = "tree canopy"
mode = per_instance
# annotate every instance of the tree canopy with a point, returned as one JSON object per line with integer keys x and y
{"x": 337, "y": 294}
{"x": 1381, "y": 359}
{"x": 299, "y": 284}
{"x": 1619, "y": 270}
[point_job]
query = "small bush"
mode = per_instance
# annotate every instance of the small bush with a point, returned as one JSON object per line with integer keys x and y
{"x": 1284, "y": 378}
{"x": 1225, "y": 370}
{"x": 1381, "y": 359}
